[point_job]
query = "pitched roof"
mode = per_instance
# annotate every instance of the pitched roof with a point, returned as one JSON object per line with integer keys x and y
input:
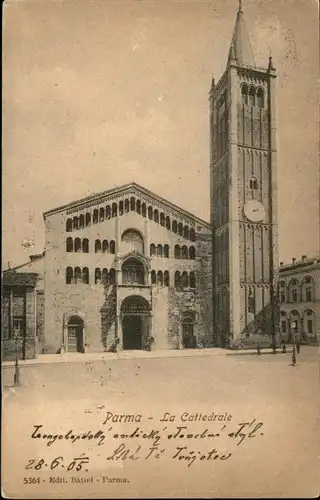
{"x": 240, "y": 48}
{"x": 123, "y": 190}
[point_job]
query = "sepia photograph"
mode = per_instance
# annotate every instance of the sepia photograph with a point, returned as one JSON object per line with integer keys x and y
{"x": 161, "y": 249}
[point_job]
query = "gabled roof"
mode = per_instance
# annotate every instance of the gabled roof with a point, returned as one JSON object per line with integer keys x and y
{"x": 123, "y": 190}
{"x": 240, "y": 48}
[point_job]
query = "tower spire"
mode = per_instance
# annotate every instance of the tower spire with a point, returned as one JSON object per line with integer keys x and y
{"x": 241, "y": 50}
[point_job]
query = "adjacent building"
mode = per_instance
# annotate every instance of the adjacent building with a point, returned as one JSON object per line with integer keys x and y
{"x": 299, "y": 297}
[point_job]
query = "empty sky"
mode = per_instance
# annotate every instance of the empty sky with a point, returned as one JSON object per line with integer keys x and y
{"x": 97, "y": 94}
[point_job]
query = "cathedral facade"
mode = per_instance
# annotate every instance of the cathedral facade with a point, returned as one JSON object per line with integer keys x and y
{"x": 127, "y": 269}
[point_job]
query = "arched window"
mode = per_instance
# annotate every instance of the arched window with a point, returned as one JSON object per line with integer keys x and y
{"x": 69, "y": 275}
{"x": 153, "y": 277}
{"x": 160, "y": 278}
{"x": 184, "y": 279}
{"x": 166, "y": 251}
{"x": 132, "y": 241}
{"x": 97, "y": 276}
{"x": 177, "y": 252}
{"x": 186, "y": 232}
{"x": 112, "y": 276}
{"x": 177, "y": 279}
{"x": 133, "y": 272}
{"x": 253, "y": 182}
{"x": 112, "y": 247}
{"x": 159, "y": 251}
{"x": 97, "y": 246}
{"x": 105, "y": 246}
{"x": 69, "y": 245}
{"x": 162, "y": 219}
{"x": 307, "y": 289}
{"x": 283, "y": 322}
{"x": 309, "y": 325}
{"x": 260, "y": 98}
{"x": 101, "y": 214}
{"x": 88, "y": 219}
{"x": 252, "y": 96}
{"x": 114, "y": 209}
{"x": 85, "y": 276}
{"x": 77, "y": 275}
{"x": 150, "y": 213}
{"x": 294, "y": 291}
{"x": 156, "y": 216}
{"x": 180, "y": 229}
{"x": 166, "y": 278}
{"x": 184, "y": 252}
{"x": 138, "y": 207}
{"x": 120, "y": 207}
{"x": 174, "y": 226}
{"x": 282, "y": 292}
{"x": 168, "y": 225}
{"x": 108, "y": 212}
{"x": 81, "y": 221}
{"x": 132, "y": 203}
{"x": 126, "y": 206}
{"x": 192, "y": 253}
{"x": 69, "y": 225}
{"x": 192, "y": 280}
{"x": 95, "y": 217}
{"x": 77, "y": 245}
{"x": 104, "y": 276}
{"x": 192, "y": 234}
{"x": 85, "y": 245}
{"x": 75, "y": 223}
{"x": 152, "y": 249}
{"x": 244, "y": 94}
{"x": 144, "y": 210}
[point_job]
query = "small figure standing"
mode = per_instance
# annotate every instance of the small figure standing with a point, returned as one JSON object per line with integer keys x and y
{"x": 298, "y": 345}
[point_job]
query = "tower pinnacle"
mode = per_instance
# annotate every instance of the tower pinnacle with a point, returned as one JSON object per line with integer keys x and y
{"x": 242, "y": 50}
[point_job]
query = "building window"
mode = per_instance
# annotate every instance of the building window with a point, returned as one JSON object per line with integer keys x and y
{"x": 166, "y": 278}
{"x": 174, "y": 226}
{"x": 186, "y": 232}
{"x": 101, "y": 214}
{"x": 177, "y": 279}
{"x": 81, "y": 221}
{"x": 121, "y": 208}
{"x": 168, "y": 222}
{"x": 69, "y": 245}
{"x": 77, "y": 275}
{"x": 159, "y": 278}
{"x": 105, "y": 246}
{"x": 97, "y": 276}
{"x": 162, "y": 219}
{"x": 159, "y": 251}
{"x": 184, "y": 252}
{"x": 253, "y": 182}
{"x": 85, "y": 276}
{"x": 166, "y": 251}
{"x": 192, "y": 280}
{"x": 95, "y": 217}
{"x": 294, "y": 290}
{"x": 77, "y": 245}
{"x": 97, "y": 246}
{"x": 132, "y": 204}
{"x": 283, "y": 326}
{"x": 144, "y": 210}
{"x": 150, "y": 213}
{"x": 260, "y": 98}
{"x": 184, "y": 279}
{"x": 132, "y": 272}
{"x": 85, "y": 245}
{"x": 308, "y": 294}
{"x": 180, "y": 229}
{"x": 252, "y": 96}
{"x": 294, "y": 295}
{"x": 69, "y": 275}
{"x": 310, "y": 326}
{"x": 108, "y": 212}
{"x": 138, "y": 207}
{"x": 192, "y": 253}
{"x": 112, "y": 247}
{"x": 75, "y": 223}
{"x": 156, "y": 216}
{"x": 152, "y": 249}
{"x": 69, "y": 225}
{"x": 112, "y": 276}
{"x": 177, "y": 252}
{"x": 88, "y": 219}
{"x": 114, "y": 210}
{"x": 192, "y": 234}
{"x": 244, "y": 94}
{"x": 153, "y": 277}
{"x": 132, "y": 241}
{"x": 104, "y": 276}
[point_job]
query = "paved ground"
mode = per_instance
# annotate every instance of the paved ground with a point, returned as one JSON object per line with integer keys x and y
{"x": 282, "y": 462}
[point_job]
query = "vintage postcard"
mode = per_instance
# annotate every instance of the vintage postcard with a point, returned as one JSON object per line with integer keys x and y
{"x": 161, "y": 268}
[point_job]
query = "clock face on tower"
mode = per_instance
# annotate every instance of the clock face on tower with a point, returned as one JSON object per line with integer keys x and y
{"x": 254, "y": 210}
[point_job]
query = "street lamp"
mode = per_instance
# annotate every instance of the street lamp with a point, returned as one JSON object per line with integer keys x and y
{"x": 16, "y": 379}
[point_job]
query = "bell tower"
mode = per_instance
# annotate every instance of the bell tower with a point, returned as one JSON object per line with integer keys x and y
{"x": 243, "y": 173}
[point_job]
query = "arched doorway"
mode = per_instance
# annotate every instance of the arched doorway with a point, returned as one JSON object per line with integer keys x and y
{"x": 189, "y": 340}
{"x": 75, "y": 334}
{"x": 135, "y": 314}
